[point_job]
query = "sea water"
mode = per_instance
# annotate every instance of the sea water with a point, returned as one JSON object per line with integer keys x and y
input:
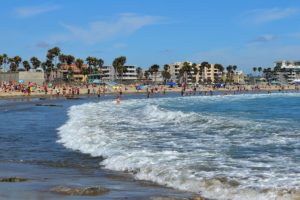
{"x": 222, "y": 147}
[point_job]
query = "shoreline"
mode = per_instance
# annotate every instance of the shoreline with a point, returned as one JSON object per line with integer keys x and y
{"x": 189, "y": 91}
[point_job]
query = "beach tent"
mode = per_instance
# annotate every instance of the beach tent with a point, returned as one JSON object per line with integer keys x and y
{"x": 141, "y": 87}
{"x": 96, "y": 81}
{"x": 171, "y": 84}
{"x": 275, "y": 83}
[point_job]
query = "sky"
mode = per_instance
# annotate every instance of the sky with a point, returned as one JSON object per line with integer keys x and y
{"x": 246, "y": 33}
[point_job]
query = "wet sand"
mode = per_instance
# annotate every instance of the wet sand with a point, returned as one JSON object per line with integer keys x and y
{"x": 43, "y": 178}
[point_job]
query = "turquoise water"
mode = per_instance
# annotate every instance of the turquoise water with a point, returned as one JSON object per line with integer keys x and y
{"x": 224, "y": 147}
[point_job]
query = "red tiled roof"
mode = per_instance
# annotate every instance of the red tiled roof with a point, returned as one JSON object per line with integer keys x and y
{"x": 74, "y": 67}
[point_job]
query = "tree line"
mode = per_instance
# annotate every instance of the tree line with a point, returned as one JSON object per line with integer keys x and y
{"x": 55, "y": 59}
{"x": 187, "y": 70}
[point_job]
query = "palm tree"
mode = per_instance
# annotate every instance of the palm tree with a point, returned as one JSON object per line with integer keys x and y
{"x": 79, "y": 63}
{"x": 62, "y": 58}
{"x": 166, "y": 73}
{"x": 153, "y": 70}
{"x": 259, "y": 69}
{"x": 139, "y": 72}
{"x": 100, "y": 62}
{"x": 17, "y": 60}
{"x": 89, "y": 61}
{"x": 35, "y": 62}
{"x": 70, "y": 59}
{"x": 118, "y": 65}
{"x": 49, "y": 68}
{"x": 229, "y": 69}
{"x": 147, "y": 74}
{"x": 203, "y": 65}
{"x": 220, "y": 68}
{"x": 92, "y": 63}
{"x": 185, "y": 70}
{"x": 166, "y": 76}
{"x": 254, "y": 69}
{"x": 14, "y": 63}
{"x": 53, "y": 55}
{"x": 26, "y": 65}
{"x": 195, "y": 69}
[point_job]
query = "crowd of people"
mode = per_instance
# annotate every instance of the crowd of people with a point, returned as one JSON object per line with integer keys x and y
{"x": 67, "y": 90}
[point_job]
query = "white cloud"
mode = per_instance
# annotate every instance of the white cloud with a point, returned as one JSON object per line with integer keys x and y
{"x": 34, "y": 10}
{"x": 99, "y": 31}
{"x": 264, "y": 39}
{"x": 261, "y": 16}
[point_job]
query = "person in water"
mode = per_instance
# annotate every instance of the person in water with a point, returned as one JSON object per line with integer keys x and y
{"x": 118, "y": 99}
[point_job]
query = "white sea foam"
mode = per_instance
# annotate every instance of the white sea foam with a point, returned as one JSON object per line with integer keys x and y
{"x": 165, "y": 141}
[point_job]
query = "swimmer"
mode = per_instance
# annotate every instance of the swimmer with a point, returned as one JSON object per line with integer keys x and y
{"x": 118, "y": 99}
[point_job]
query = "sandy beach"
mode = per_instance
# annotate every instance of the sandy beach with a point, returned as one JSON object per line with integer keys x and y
{"x": 131, "y": 89}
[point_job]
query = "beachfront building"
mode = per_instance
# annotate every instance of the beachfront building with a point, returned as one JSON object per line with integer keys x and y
{"x": 108, "y": 73}
{"x": 158, "y": 78}
{"x": 238, "y": 77}
{"x": 210, "y": 74}
{"x": 175, "y": 73}
{"x": 72, "y": 72}
{"x": 286, "y": 71}
{"x": 130, "y": 73}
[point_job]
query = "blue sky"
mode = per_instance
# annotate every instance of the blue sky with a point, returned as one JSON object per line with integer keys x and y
{"x": 247, "y": 33}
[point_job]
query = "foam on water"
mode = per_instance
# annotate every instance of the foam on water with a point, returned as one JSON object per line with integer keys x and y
{"x": 216, "y": 154}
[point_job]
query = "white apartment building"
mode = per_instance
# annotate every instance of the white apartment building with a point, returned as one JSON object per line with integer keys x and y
{"x": 290, "y": 70}
{"x": 108, "y": 73}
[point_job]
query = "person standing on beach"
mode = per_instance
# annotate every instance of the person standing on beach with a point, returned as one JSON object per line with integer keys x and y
{"x": 46, "y": 90}
{"x": 28, "y": 90}
{"x": 182, "y": 91}
{"x": 98, "y": 92}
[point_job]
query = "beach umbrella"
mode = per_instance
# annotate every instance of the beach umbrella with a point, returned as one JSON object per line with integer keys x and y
{"x": 171, "y": 83}
{"x": 141, "y": 87}
{"x": 96, "y": 81}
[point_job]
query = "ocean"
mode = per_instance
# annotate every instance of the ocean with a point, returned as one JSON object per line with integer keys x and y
{"x": 237, "y": 147}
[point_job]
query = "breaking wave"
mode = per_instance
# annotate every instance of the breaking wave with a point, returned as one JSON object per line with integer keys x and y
{"x": 191, "y": 144}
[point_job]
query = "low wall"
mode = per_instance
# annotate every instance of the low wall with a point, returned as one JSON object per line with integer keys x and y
{"x": 11, "y": 76}
{"x": 37, "y": 77}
